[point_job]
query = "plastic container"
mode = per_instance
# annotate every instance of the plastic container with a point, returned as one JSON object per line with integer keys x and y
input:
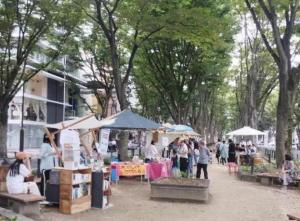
{"x": 114, "y": 174}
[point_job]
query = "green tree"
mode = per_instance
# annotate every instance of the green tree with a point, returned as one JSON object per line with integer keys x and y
{"x": 255, "y": 76}
{"x": 23, "y": 27}
{"x": 281, "y": 17}
{"x": 127, "y": 25}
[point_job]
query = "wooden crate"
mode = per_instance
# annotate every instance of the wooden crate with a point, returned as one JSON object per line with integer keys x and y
{"x": 180, "y": 189}
{"x": 67, "y": 205}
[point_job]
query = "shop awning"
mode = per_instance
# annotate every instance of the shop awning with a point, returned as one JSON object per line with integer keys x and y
{"x": 123, "y": 120}
{"x": 129, "y": 120}
{"x": 86, "y": 122}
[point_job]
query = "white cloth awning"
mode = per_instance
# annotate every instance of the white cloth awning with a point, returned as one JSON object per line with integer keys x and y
{"x": 245, "y": 131}
{"x": 86, "y": 122}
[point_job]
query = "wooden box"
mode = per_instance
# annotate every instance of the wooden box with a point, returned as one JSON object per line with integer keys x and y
{"x": 67, "y": 203}
{"x": 180, "y": 189}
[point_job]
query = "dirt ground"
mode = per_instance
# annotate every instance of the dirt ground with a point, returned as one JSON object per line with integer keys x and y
{"x": 231, "y": 200}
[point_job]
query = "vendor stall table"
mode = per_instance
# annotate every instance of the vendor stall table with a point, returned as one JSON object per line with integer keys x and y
{"x": 129, "y": 169}
{"x": 152, "y": 170}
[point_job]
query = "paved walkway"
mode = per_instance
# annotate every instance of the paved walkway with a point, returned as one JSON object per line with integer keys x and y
{"x": 231, "y": 200}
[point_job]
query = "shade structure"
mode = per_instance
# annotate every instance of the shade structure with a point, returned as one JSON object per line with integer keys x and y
{"x": 181, "y": 127}
{"x": 187, "y": 133}
{"x": 123, "y": 120}
{"x": 245, "y": 131}
{"x": 130, "y": 121}
{"x": 86, "y": 122}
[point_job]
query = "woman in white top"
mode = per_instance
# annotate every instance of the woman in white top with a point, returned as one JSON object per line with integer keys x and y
{"x": 18, "y": 171}
{"x": 183, "y": 158}
{"x": 151, "y": 152}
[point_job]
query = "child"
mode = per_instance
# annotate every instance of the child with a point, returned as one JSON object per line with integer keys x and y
{"x": 210, "y": 157}
{"x": 175, "y": 169}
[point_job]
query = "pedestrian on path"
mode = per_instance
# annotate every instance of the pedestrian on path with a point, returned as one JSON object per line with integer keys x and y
{"x": 204, "y": 155}
{"x": 224, "y": 152}
{"x": 231, "y": 156}
{"x": 218, "y": 152}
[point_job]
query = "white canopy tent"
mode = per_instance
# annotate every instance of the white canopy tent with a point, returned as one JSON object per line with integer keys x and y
{"x": 86, "y": 122}
{"x": 246, "y": 131}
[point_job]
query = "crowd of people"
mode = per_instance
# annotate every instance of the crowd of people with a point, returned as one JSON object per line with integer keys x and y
{"x": 185, "y": 154}
{"x": 228, "y": 153}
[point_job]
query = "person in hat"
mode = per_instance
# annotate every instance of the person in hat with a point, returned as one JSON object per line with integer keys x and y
{"x": 18, "y": 171}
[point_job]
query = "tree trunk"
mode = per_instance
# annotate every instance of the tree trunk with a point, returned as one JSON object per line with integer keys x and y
{"x": 284, "y": 125}
{"x": 3, "y": 131}
{"x": 123, "y": 149}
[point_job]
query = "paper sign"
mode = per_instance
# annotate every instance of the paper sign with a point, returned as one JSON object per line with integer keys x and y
{"x": 132, "y": 170}
{"x": 104, "y": 139}
{"x": 165, "y": 141}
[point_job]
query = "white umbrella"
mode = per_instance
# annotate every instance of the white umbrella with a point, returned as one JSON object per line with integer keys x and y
{"x": 245, "y": 131}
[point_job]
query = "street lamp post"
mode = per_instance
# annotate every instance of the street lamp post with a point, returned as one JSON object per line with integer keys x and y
{"x": 22, "y": 123}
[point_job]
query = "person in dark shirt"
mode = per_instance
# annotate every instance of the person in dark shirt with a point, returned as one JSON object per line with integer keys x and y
{"x": 174, "y": 159}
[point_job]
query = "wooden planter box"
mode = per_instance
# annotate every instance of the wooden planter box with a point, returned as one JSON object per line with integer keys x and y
{"x": 248, "y": 177}
{"x": 180, "y": 189}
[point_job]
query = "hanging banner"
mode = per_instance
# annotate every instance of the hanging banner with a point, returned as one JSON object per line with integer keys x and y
{"x": 103, "y": 140}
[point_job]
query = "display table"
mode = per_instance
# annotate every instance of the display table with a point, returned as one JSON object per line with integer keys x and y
{"x": 152, "y": 171}
{"x": 129, "y": 169}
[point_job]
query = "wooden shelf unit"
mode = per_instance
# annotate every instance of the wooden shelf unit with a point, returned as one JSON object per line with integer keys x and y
{"x": 67, "y": 205}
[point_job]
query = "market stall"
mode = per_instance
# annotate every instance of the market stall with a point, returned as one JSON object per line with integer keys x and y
{"x": 246, "y": 132}
{"x": 126, "y": 120}
{"x": 79, "y": 183}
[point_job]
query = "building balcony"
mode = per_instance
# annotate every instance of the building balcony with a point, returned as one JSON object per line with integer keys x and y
{"x": 34, "y": 110}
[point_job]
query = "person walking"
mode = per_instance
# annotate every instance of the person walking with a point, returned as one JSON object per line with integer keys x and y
{"x": 218, "y": 152}
{"x": 231, "y": 156}
{"x": 223, "y": 152}
{"x": 183, "y": 158}
{"x": 204, "y": 155}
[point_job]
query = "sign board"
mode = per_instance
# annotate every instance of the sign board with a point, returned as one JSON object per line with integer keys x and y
{"x": 165, "y": 141}
{"x": 132, "y": 170}
{"x": 103, "y": 141}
